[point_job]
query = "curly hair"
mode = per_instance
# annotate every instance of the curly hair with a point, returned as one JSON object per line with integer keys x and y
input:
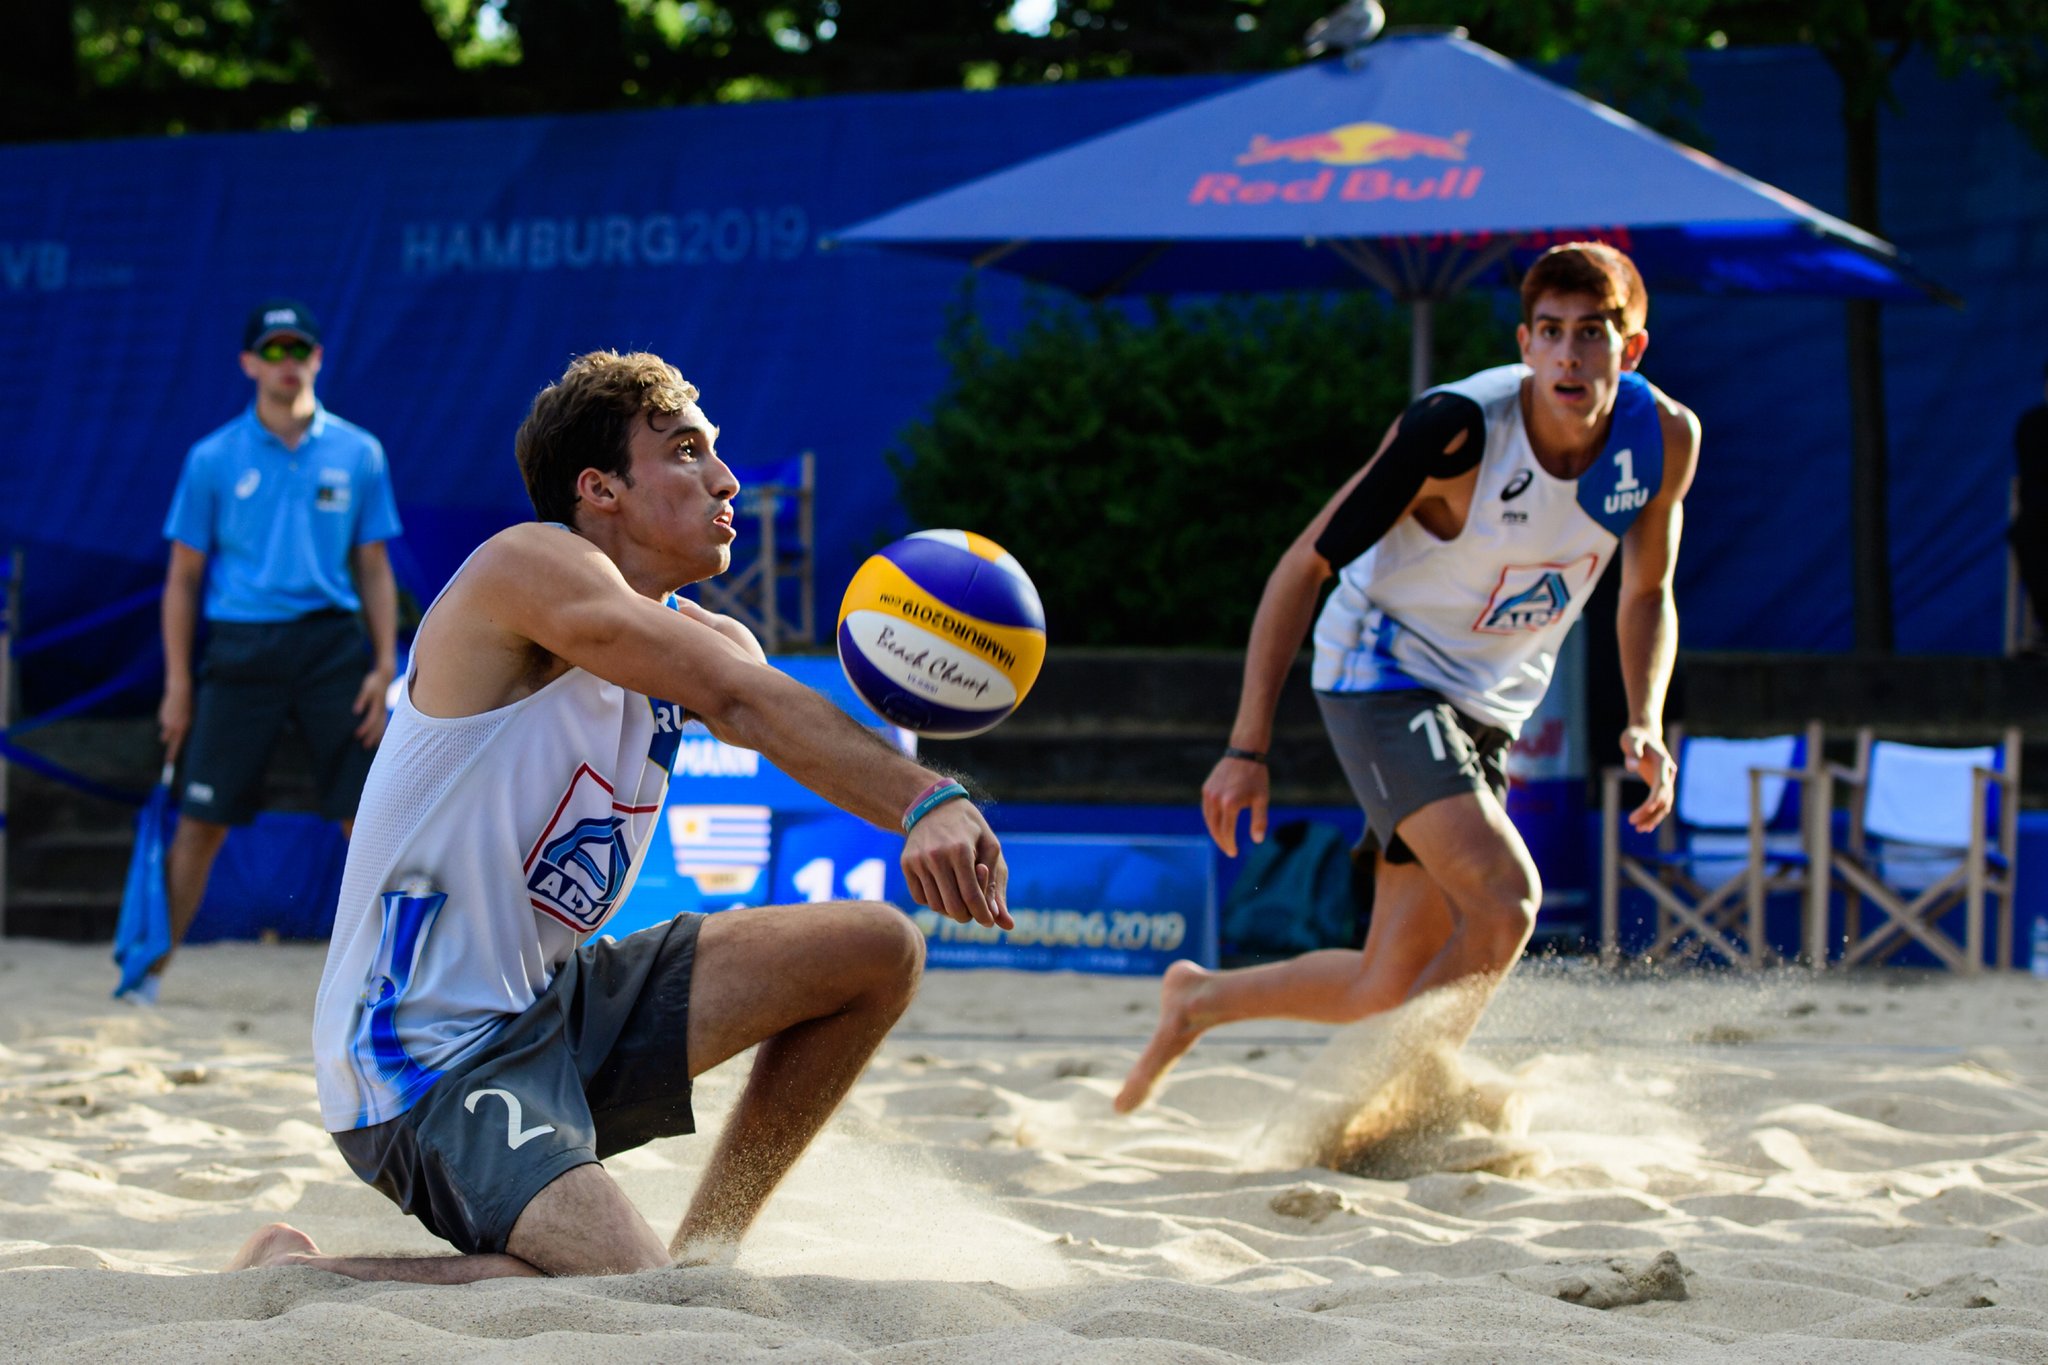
{"x": 1593, "y": 268}
{"x": 584, "y": 420}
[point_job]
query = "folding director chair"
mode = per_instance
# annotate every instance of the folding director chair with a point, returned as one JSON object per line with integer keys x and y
{"x": 1929, "y": 829}
{"x": 777, "y": 500}
{"x": 1741, "y": 828}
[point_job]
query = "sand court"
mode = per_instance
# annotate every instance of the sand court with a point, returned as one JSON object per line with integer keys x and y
{"x": 1692, "y": 1168}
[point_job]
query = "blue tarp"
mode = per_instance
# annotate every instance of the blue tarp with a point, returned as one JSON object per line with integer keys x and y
{"x": 458, "y": 265}
{"x": 142, "y": 934}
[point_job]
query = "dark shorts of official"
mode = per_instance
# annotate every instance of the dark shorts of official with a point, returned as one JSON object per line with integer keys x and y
{"x": 253, "y": 679}
{"x": 1403, "y": 750}
{"x": 597, "y": 1066}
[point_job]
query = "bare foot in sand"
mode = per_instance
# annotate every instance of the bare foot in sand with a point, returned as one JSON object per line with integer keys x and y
{"x": 1177, "y": 1031}
{"x": 278, "y": 1244}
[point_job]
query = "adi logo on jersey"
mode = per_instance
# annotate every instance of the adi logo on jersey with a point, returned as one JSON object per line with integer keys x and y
{"x": 1535, "y": 596}
{"x": 578, "y": 867}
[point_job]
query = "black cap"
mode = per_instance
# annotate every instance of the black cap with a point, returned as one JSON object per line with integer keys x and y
{"x": 279, "y": 317}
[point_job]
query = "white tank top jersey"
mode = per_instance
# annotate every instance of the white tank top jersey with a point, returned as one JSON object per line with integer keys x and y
{"x": 1480, "y": 617}
{"x": 486, "y": 849}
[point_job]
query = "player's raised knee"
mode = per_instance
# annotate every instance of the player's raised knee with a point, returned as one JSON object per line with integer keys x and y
{"x": 885, "y": 941}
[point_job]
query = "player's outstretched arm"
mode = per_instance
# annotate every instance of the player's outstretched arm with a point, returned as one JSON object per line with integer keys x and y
{"x": 590, "y": 617}
{"x": 1235, "y": 785}
{"x": 1646, "y": 615}
{"x": 733, "y": 630}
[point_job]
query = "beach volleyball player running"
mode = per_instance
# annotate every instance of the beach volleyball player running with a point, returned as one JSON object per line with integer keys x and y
{"x": 478, "y": 1052}
{"x": 1464, "y": 549}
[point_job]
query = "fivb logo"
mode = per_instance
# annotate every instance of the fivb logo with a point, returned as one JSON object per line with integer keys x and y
{"x": 1534, "y": 596}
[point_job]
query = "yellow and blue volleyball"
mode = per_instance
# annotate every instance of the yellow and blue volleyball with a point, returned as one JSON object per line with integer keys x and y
{"x": 942, "y": 633}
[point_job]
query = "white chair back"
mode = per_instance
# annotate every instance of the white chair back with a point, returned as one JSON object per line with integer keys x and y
{"x": 1921, "y": 795}
{"x": 1713, "y": 779}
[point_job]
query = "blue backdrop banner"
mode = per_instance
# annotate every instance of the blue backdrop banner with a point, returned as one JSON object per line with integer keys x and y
{"x": 458, "y": 265}
{"x": 1122, "y": 904}
{"x": 738, "y": 831}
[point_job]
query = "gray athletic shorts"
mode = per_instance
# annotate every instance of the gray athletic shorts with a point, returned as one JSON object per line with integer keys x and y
{"x": 597, "y": 1066}
{"x": 1403, "y": 750}
{"x": 253, "y": 680}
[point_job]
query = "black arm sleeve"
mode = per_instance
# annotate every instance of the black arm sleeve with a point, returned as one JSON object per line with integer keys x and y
{"x": 1432, "y": 422}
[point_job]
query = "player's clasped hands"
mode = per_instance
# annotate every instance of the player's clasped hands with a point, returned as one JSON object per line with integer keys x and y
{"x": 954, "y": 865}
{"x": 1648, "y": 759}
{"x": 1235, "y": 785}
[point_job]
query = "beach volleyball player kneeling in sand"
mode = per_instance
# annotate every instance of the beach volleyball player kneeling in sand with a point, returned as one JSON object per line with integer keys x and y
{"x": 479, "y": 1052}
{"x": 1464, "y": 550}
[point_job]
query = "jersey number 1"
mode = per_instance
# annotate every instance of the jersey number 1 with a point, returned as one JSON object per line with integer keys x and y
{"x": 1425, "y": 721}
{"x": 1625, "y": 461}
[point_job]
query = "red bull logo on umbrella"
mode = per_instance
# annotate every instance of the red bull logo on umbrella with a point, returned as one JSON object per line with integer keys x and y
{"x": 1355, "y": 145}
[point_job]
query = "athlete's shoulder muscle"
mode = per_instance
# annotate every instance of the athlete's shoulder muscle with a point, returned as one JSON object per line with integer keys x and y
{"x": 477, "y": 647}
{"x": 1681, "y": 430}
{"x": 536, "y": 568}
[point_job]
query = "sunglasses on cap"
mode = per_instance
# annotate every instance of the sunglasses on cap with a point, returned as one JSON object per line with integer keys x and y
{"x": 280, "y": 348}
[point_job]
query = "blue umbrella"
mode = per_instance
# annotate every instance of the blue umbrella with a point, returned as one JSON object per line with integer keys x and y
{"x": 1416, "y": 166}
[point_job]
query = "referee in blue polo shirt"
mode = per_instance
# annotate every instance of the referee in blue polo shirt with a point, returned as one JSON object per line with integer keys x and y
{"x": 282, "y": 516}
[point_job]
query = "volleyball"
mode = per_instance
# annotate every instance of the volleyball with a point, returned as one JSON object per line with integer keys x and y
{"x": 942, "y": 633}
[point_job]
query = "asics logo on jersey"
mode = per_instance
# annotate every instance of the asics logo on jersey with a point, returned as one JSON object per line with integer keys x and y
{"x": 1517, "y": 486}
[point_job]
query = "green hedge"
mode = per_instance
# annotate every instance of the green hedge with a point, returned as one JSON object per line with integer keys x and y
{"x": 1148, "y": 473}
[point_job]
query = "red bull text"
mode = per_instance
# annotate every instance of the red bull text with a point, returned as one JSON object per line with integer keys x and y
{"x": 1352, "y": 145}
{"x": 1220, "y": 187}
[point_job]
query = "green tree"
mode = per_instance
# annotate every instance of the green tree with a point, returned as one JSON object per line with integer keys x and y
{"x": 1147, "y": 470}
{"x": 94, "y": 68}
{"x": 101, "y": 67}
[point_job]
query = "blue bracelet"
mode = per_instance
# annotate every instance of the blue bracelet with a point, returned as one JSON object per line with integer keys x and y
{"x": 931, "y": 802}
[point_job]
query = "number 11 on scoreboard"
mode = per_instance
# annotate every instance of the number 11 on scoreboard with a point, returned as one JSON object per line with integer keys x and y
{"x": 864, "y": 880}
